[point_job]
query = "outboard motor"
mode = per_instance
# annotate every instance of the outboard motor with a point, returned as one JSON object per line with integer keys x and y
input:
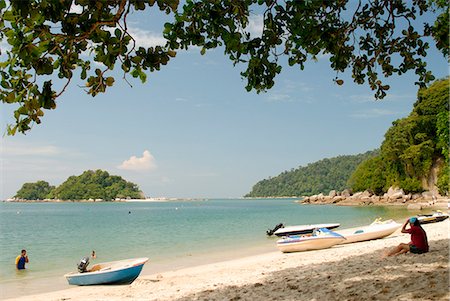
{"x": 82, "y": 266}
{"x": 271, "y": 232}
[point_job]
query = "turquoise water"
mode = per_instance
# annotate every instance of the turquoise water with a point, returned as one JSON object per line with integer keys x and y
{"x": 57, "y": 235}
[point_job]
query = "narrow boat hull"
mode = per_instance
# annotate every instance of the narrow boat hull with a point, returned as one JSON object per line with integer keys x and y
{"x": 374, "y": 231}
{"x": 302, "y": 229}
{"x": 432, "y": 218}
{"x": 309, "y": 244}
{"x": 109, "y": 274}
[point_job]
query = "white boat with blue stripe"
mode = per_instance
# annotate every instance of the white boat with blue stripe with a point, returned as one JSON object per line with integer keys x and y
{"x": 320, "y": 239}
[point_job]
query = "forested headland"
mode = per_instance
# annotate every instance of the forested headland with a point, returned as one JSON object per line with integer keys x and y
{"x": 414, "y": 157}
{"x": 321, "y": 176}
{"x": 90, "y": 185}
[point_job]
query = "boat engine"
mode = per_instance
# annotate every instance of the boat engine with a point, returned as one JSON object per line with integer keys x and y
{"x": 82, "y": 266}
{"x": 270, "y": 232}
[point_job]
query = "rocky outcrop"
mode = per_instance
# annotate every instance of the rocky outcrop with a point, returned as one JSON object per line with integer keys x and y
{"x": 393, "y": 196}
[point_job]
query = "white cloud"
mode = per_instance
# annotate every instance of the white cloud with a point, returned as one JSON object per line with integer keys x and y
{"x": 255, "y": 25}
{"x": 373, "y": 113}
{"x": 279, "y": 97}
{"x": 297, "y": 86}
{"x": 145, "y": 38}
{"x": 142, "y": 38}
{"x": 165, "y": 180}
{"x": 76, "y": 9}
{"x": 18, "y": 149}
{"x": 146, "y": 162}
{"x": 362, "y": 98}
{"x": 4, "y": 46}
{"x": 288, "y": 90}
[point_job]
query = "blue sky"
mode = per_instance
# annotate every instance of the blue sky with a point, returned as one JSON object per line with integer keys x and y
{"x": 193, "y": 131}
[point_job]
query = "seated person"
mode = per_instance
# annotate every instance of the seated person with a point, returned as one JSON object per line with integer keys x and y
{"x": 418, "y": 243}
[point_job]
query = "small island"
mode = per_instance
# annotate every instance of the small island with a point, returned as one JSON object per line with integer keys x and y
{"x": 91, "y": 185}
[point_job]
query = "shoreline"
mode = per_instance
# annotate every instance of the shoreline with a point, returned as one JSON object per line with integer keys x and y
{"x": 147, "y": 200}
{"x": 354, "y": 271}
{"x": 356, "y": 200}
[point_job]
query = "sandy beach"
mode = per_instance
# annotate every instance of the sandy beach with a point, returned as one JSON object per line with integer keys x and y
{"x": 346, "y": 272}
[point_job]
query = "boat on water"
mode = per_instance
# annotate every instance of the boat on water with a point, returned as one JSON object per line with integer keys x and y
{"x": 114, "y": 272}
{"x": 437, "y": 216}
{"x": 320, "y": 239}
{"x": 377, "y": 229}
{"x": 302, "y": 229}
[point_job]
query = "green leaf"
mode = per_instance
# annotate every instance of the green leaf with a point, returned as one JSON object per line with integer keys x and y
{"x": 118, "y": 33}
{"x": 135, "y": 73}
{"x": 9, "y": 16}
{"x": 142, "y": 76}
{"x": 136, "y": 59}
{"x": 10, "y": 98}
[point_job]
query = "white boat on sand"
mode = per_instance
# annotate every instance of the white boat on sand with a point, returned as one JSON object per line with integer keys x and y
{"x": 319, "y": 239}
{"x": 302, "y": 229}
{"x": 377, "y": 229}
{"x": 437, "y": 216}
{"x": 114, "y": 272}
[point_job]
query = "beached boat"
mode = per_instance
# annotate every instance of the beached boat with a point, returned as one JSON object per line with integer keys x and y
{"x": 437, "y": 216}
{"x": 377, "y": 229}
{"x": 319, "y": 239}
{"x": 302, "y": 229}
{"x": 114, "y": 272}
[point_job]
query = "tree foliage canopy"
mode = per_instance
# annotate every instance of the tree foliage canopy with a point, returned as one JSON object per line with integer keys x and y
{"x": 89, "y": 185}
{"x": 412, "y": 147}
{"x": 48, "y": 38}
{"x": 34, "y": 191}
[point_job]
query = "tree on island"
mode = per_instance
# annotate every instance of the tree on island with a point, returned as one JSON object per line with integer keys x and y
{"x": 89, "y": 185}
{"x": 34, "y": 191}
{"x": 52, "y": 37}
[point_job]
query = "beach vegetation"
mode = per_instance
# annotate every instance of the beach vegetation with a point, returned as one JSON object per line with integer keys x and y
{"x": 47, "y": 45}
{"x": 415, "y": 148}
{"x": 369, "y": 175}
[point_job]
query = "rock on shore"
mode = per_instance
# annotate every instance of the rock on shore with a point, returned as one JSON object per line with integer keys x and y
{"x": 394, "y": 196}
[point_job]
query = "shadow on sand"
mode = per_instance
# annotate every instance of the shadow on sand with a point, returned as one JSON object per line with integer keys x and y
{"x": 359, "y": 277}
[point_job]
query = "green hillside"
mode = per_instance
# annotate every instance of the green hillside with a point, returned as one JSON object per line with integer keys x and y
{"x": 321, "y": 176}
{"x": 414, "y": 154}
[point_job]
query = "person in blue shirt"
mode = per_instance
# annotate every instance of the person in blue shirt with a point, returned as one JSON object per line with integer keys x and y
{"x": 21, "y": 260}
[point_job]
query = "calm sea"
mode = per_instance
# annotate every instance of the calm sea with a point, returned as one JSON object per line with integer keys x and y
{"x": 171, "y": 234}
